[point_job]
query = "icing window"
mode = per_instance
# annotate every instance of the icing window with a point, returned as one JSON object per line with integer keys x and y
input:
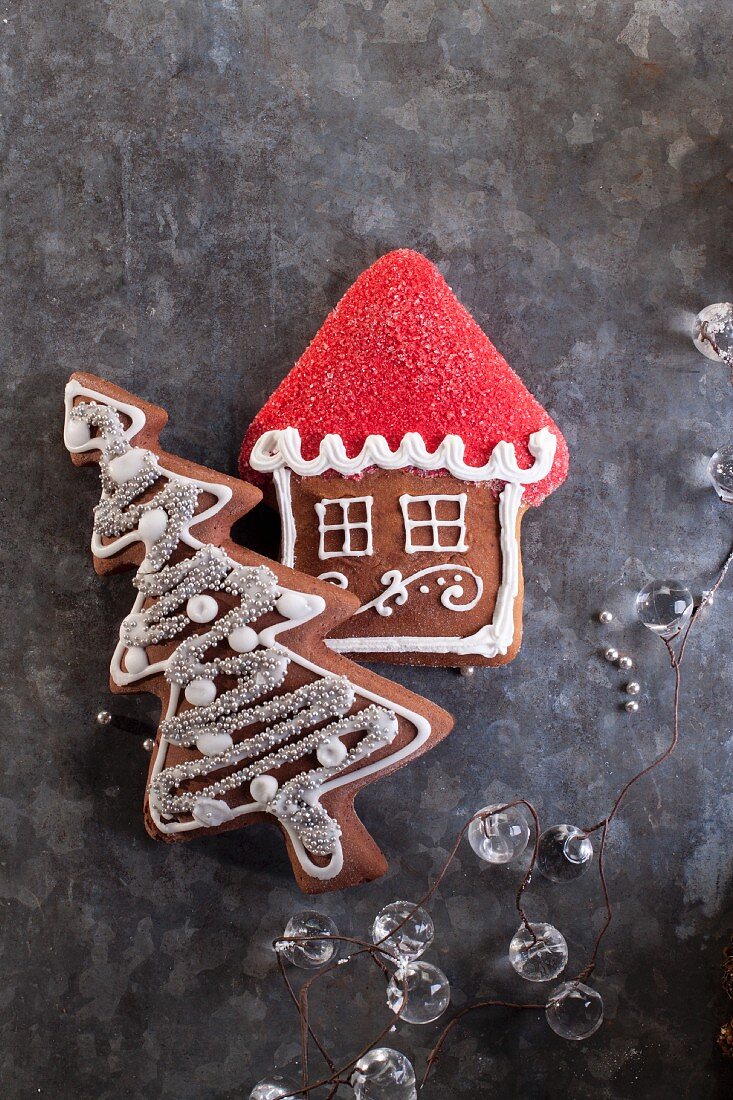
{"x": 434, "y": 523}
{"x": 345, "y": 527}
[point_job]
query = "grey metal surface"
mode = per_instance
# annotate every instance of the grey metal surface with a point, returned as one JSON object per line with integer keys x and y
{"x": 188, "y": 187}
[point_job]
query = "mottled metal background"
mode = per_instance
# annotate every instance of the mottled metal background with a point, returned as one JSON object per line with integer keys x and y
{"x": 188, "y": 188}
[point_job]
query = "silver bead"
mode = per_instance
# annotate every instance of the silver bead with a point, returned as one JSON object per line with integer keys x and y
{"x": 605, "y": 617}
{"x": 611, "y": 654}
{"x": 104, "y": 718}
{"x": 633, "y": 687}
{"x": 625, "y": 663}
{"x": 631, "y": 706}
{"x": 148, "y": 744}
{"x": 467, "y": 670}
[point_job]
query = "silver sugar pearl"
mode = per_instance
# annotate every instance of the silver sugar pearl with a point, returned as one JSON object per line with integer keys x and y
{"x": 611, "y": 654}
{"x": 467, "y": 670}
{"x": 605, "y": 617}
{"x": 625, "y": 663}
{"x": 631, "y": 706}
{"x": 104, "y": 718}
{"x": 633, "y": 687}
{"x": 148, "y": 744}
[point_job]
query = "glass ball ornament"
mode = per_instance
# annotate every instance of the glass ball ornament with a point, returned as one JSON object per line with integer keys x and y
{"x": 427, "y": 990}
{"x": 664, "y": 607}
{"x": 564, "y": 853}
{"x": 404, "y": 934}
{"x": 720, "y": 472}
{"x": 384, "y": 1074}
{"x": 712, "y": 332}
{"x": 574, "y": 1010}
{"x": 500, "y": 837}
{"x": 539, "y": 955}
{"x": 315, "y": 952}
{"x": 274, "y": 1088}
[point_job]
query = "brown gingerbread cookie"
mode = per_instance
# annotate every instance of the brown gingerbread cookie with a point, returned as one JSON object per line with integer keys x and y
{"x": 261, "y": 721}
{"x": 404, "y": 452}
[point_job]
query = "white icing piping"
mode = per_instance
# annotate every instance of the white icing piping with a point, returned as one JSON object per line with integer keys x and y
{"x": 339, "y": 580}
{"x": 281, "y": 477}
{"x": 222, "y": 493}
{"x": 281, "y": 448}
{"x": 75, "y": 389}
{"x": 433, "y": 524}
{"x": 309, "y": 608}
{"x": 344, "y": 528}
{"x": 269, "y": 636}
{"x": 396, "y": 588}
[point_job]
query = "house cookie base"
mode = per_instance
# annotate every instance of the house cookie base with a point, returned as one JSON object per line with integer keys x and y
{"x": 420, "y": 607}
{"x": 406, "y": 524}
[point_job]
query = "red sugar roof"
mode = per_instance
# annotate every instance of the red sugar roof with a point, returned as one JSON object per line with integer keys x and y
{"x": 398, "y": 354}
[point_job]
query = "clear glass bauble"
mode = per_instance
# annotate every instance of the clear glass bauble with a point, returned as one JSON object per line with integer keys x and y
{"x": 313, "y": 953}
{"x": 664, "y": 607}
{"x": 274, "y": 1088}
{"x": 408, "y": 934}
{"x": 539, "y": 955}
{"x": 501, "y": 837}
{"x": 720, "y": 472}
{"x": 574, "y": 1010}
{"x": 564, "y": 853}
{"x": 712, "y": 332}
{"x": 427, "y": 992}
{"x": 384, "y": 1074}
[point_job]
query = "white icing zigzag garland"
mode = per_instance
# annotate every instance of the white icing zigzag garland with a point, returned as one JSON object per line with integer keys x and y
{"x": 173, "y": 597}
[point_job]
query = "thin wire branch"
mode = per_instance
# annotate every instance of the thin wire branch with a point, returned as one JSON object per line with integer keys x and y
{"x": 707, "y": 599}
{"x": 675, "y": 660}
{"x": 590, "y": 967}
{"x": 294, "y": 997}
{"x": 378, "y": 952}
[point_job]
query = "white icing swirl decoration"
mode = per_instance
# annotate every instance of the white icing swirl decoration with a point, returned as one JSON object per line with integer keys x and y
{"x": 340, "y": 580}
{"x": 396, "y": 589}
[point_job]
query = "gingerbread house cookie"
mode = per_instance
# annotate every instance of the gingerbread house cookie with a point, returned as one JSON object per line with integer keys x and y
{"x": 404, "y": 452}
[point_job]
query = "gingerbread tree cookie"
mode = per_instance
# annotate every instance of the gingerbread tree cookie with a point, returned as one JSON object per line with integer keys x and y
{"x": 404, "y": 452}
{"x": 260, "y": 720}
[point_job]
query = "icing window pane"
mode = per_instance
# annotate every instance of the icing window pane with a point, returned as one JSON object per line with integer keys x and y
{"x": 448, "y": 509}
{"x": 434, "y": 523}
{"x": 344, "y": 527}
{"x": 333, "y": 513}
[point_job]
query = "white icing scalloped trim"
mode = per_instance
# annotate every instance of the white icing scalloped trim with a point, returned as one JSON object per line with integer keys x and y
{"x": 282, "y": 448}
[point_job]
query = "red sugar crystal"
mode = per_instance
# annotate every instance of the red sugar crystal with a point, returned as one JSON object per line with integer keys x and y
{"x": 398, "y": 354}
